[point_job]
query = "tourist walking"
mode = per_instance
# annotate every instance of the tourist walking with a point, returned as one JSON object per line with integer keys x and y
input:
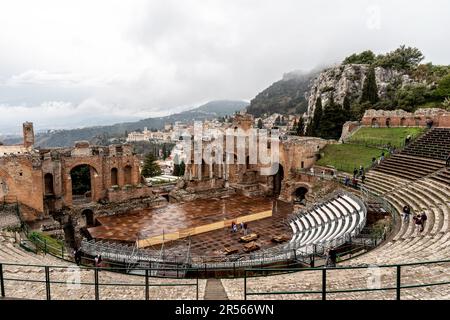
{"x": 423, "y": 219}
{"x": 245, "y": 229}
{"x": 406, "y": 214}
{"x": 363, "y": 177}
{"x": 77, "y": 256}
{"x": 447, "y": 162}
{"x": 355, "y": 172}
{"x": 98, "y": 261}
{"x": 346, "y": 181}
{"x": 331, "y": 258}
{"x": 355, "y": 182}
{"x": 407, "y": 139}
{"x": 417, "y": 223}
{"x": 374, "y": 161}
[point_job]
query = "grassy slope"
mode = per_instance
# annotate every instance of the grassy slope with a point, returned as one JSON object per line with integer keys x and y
{"x": 383, "y": 136}
{"x": 346, "y": 157}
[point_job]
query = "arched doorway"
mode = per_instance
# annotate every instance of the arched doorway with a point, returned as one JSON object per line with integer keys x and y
{"x": 374, "y": 122}
{"x": 81, "y": 183}
{"x": 114, "y": 180}
{"x": 88, "y": 215}
{"x": 277, "y": 180}
{"x": 388, "y": 122}
{"x": 402, "y": 122}
{"x": 127, "y": 174}
{"x": 48, "y": 184}
{"x": 300, "y": 194}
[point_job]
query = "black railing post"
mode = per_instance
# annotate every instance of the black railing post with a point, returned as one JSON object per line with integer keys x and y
{"x": 47, "y": 282}
{"x": 96, "y": 284}
{"x": 245, "y": 284}
{"x": 2, "y": 281}
{"x": 234, "y": 269}
{"x": 147, "y": 292}
{"x": 324, "y": 284}
{"x": 399, "y": 281}
{"x": 196, "y": 294}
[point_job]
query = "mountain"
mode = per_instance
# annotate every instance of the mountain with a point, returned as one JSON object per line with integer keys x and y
{"x": 66, "y": 138}
{"x": 286, "y": 96}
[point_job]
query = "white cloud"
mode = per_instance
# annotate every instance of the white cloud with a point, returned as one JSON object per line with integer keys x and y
{"x": 151, "y": 57}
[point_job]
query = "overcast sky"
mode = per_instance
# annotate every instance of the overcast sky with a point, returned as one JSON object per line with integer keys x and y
{"x": 74, "y": 63}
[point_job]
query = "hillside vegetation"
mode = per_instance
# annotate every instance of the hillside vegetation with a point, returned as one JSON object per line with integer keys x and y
{"x": 286, "y": 96}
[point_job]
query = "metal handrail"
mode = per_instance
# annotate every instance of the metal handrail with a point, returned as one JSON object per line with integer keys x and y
{"x": 324, "y": 271}
{"x": 97, "y": 284}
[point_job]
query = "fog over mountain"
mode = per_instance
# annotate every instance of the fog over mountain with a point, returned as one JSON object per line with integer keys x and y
{"x": 70, "y": 64}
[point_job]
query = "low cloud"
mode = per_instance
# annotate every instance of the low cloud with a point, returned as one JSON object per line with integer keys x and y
{"x": 142, "y": 58}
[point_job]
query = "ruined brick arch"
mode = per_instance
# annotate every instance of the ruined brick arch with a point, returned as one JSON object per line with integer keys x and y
{"x": 374, "y": 122}
{"x": 96, "y": 181}
{"x": 91, "y": 164}
{"x": 298, "y": 191}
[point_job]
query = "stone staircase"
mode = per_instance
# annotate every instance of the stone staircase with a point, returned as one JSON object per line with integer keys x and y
{"x": 434, "y": 144}
{"x": 409, "y": 167}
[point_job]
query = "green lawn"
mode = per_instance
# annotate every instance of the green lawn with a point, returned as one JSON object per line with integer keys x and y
{"x": 45, "y": 242}
{"x": 346, "y": 157}
{"x": 382, "y": 136}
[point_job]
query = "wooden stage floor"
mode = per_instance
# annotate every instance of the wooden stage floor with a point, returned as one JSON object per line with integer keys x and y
{"x": 148, "y": 223}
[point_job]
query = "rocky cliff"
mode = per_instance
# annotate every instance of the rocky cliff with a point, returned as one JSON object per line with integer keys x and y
{"x": 348, "y": 79}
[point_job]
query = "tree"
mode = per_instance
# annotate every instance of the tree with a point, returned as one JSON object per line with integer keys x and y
{"x": 365, "y": 57}
{"x": 443, "y": 89}
{"x": 150, "y": 168}
{"x": 411, "y": 96}
{"x": 370, "y": 90}
{"x": 402, "y": 58}
{"x": 260, "y": 124}
{"x": 314, "y": 125}
{"x": 346, "y": 108}
{"x": 332, "y": 121}
{"x": 300, "y": 129}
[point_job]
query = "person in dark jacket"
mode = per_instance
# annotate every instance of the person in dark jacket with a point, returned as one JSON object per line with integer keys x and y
{"x": 423, "y": 219}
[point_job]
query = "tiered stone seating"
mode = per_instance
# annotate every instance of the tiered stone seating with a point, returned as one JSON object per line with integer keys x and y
{"x": 407, "y": 246}
{"x": 443, "y": 176}
{"x": 409, "y": 167}
{"x": 415, "y": 177}
{"x": 8, "y": 217}
{"x": 327, "y": 223}
{"x": 31, "y": 269}
{"x": 434, "y": 144}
